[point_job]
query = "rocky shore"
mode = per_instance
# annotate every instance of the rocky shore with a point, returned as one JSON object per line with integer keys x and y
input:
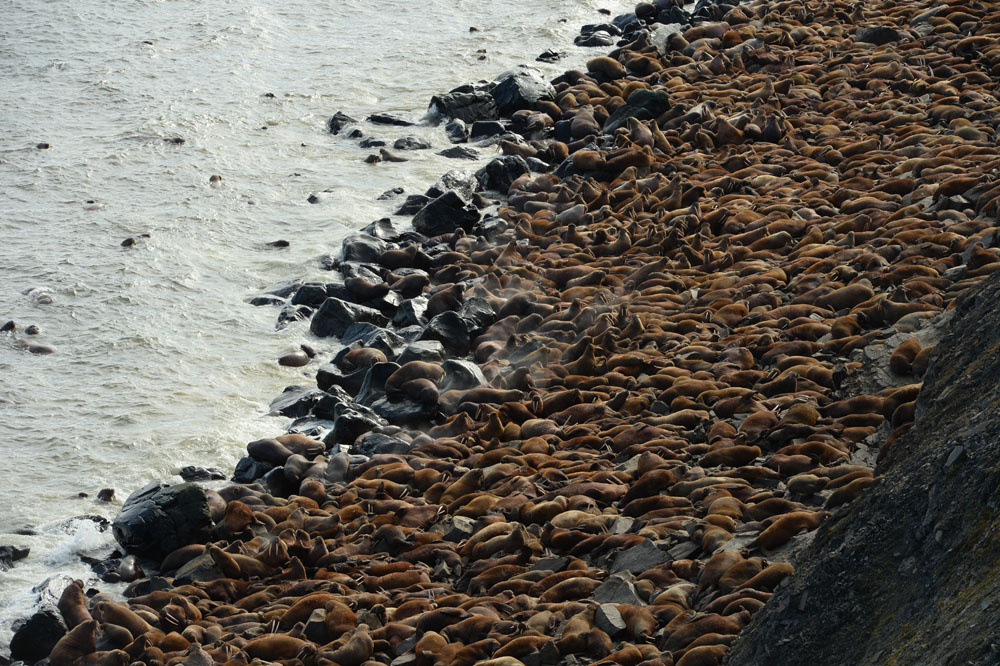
{"x": 594, "y": 397}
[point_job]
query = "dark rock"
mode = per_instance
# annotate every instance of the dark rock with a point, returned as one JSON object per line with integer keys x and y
{"x": 465, "y": 106}
{"x": 354, "y": 133}
{"x": 35, "y": 637}
{"x": 642, "y": 104}
{"x": 373, "y": 387}
{"x": 382, "y": 228}
{"x": 277, "y": 483}
{"x": 550, "y": 56}
{"x": 413, "y": 204}
{"x": 459, "y": 153}
{"x": 333, "y": 400}
{"x": 520, "y": 88}
{"x": 329, "y": 376}
{"x": 338, "y": 122}
{"x": 877, "y": 35}
{"x": 461, "y": 374}
{"x": 457, "y": 131}
{"x": 462, "y": 182}
{"x": 617, "y": 589}
{"x": 311, "y": 293}
{"x": 390, "y": 194}
{"x": 908, "y": 568}
{"x": 250, "y": 469}
{"x": 258, "y": 301}
{"x": 402, "y": 412}
{"x": 422, "y": 350}
{"x": 411, "y": 143}
{"x": 444, "y": 215}
{"x": 192, "y": 473}
{"x": 596, "y": 38}
{"x": 486, "y": 128}
{"x": 450, "y": 330}
{"x": 390, "y": 119}
{"x": 283, "y": 289}
{"x": 478, "y": 314}
{"x": 159, "y": 519}
{"x": 349, "y": 425}
{"x": 292, "y": 313}
{"x": 673, "y": 15}
{"x": 640, "y": 558}
{"x": 371, "y": 142}
{"x": 411, "y": 312}
{"x": 370, "y": 335}
{"x": 500, "y": 172}
{"x": 375, "y": 443}
{"x": 536, "y": 165}
{"x": 335, "y": 316}
{"x": 362, "y": 248}
{"x": 555, "y": 564}
{"x": 354, "y": 269}
{"x": 295, "y": 401}
{"x": 11, "y": 554}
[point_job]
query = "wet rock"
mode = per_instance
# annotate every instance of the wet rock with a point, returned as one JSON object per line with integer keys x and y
{"x": 312, "y": 294}
{"x": 329, "y": 376}
{"x": 520, "y": 88}
{"x": 338, "y": 122}
{"x": 351, "y": 424}
{"x": 444, "y": 215}
{"x": 596, "y": 38}
{"x": 640, "y": 558}
{"x": 295, "y": 401}
{"x": 373, "y": 387}
{"x": 461, "y": 374}
{"x": 355, "y": 269}
{"x": 391, "y": 193}
{"x": 192, "y": 473}
{"x": 459, "y": 153}
{"x": 550, "y": 55}
{"x": 335, "y": 316}
{"x": 334, "y": 399}
{"x": 11, "y": 554}
{"x": 457, "y": 131}
{"x": 35, "y": 637}
{"x": 383, "y": 228}
{"x": 465, "y": 106}
{"x": 500, "y": 172}
{"x": 412, "y": 204}
{"x": 411, "y": 143}
{"x": 390, "y": 119}
{"x": 486, "y": 128}
{"x": 877, "y": 35}
{"x": 158, "y": 519}
{"x": 450, "y": 330}
{"x": 422, "y": 350}
{"x": 369, "y": 335}
{"x": 250, "y": 469}
{"x": 411, "y": 312}
{"x": 292, "y": 313}
{"x": 462, "y": 182}
{"x": 362, "y": 248}
{"x": 371, "y": 142}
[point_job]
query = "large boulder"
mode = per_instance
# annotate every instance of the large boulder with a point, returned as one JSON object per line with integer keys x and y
{"x": 335, "y": 316}
{"x": 466, "y": 105}
{"x": 641, "y": 104}
{"x": 500, "y": 172}
{"x": 445, "y": 215}
{"x": 158, "y": 519}
{"x": 520, "y": 88}
{"x": 35, "y": 637}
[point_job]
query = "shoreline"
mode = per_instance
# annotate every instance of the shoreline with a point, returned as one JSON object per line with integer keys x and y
{"x": 675, "y": 311}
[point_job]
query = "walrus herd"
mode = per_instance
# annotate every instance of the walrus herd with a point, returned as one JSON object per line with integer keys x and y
{"x": 645, "y": 393}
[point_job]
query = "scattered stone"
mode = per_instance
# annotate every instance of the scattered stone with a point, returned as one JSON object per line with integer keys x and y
{"x": 640, "y": 558}
{"x": 35, "y": 637}
{"x": 617, "y": 589}
{"x": 334, "y": 317}
{"x": 193, "y": 473}
{"x": 390, "y": 119}
{"x": 609, "y": 620}
{"x": 411, "y": 143}
{"x": 459, "y": 153}
{"x": 445, "y": 214}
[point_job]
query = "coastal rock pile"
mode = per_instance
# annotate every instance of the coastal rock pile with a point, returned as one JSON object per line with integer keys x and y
{"x": 657, "y": 339}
